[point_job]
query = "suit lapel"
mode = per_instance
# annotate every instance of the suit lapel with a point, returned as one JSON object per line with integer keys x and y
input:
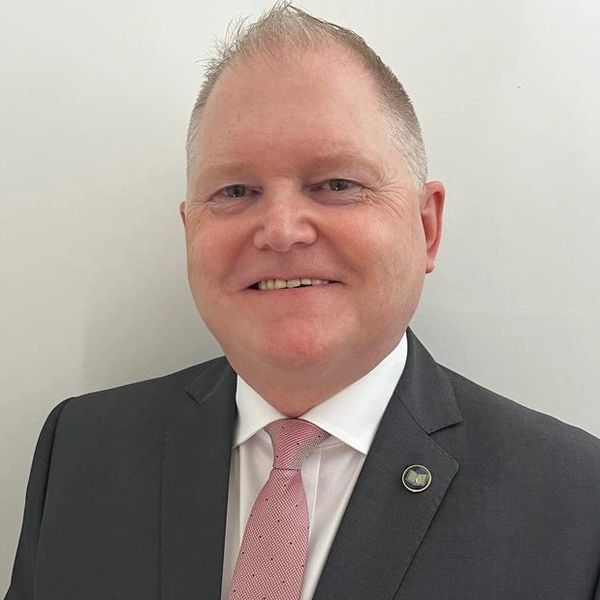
{"x": 195, "y": 480}
{"x": 384, "y": 523}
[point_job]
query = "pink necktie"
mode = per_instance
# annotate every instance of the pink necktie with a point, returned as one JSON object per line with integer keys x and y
{"x": 270, "y": 564}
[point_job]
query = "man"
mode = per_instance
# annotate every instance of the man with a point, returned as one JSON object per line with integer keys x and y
{"x": 309, "y": 229}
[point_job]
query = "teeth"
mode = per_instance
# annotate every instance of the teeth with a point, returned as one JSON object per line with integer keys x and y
{"x": 280, "y": 284}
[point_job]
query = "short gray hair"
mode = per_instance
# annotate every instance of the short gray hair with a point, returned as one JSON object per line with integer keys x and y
{"x": 285, "y": 25}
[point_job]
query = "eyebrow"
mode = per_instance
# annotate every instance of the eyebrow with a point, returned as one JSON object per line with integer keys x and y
{"x": 341, "y": 160}
{"x": 317, "y": 162}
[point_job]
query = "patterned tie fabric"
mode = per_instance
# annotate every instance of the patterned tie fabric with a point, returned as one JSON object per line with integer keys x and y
{"x": 270, "y": 564}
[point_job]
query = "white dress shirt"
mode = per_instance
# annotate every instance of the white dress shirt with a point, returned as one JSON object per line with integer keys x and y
{"x": 351, "y": 417}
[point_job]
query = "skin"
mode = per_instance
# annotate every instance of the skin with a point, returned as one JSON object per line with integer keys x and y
{"x": 297, "y": 176}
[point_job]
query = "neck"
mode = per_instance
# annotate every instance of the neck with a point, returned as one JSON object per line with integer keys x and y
{"x": 294, "y": 391}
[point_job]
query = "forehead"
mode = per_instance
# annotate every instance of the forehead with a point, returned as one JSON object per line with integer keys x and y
{"x": 312, "y": 102}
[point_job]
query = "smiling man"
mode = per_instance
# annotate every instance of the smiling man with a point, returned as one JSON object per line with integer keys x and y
{"x": 327, "y": 455}
{"x": 308, "y": 237}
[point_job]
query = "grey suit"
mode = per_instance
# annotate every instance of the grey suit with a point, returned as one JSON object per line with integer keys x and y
{"x": 128, "y": 492}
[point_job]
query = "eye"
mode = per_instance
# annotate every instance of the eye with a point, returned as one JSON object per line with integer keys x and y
{"x": 231, "y": 198}
{"x": 234, "y": 191}
{"x": 338, "y": 185}
{"x": 338, "y": 191}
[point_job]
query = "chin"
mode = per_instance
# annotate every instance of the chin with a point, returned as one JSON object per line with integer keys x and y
{"x": 295, "y": 352}
{"x": 291, "y": 345}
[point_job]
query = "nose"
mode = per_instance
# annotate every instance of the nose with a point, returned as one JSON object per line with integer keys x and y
{"x": 285, "y": 221}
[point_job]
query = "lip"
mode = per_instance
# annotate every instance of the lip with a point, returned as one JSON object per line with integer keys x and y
{"x": 301, "y": 290}
{"x": 253, "y": 282}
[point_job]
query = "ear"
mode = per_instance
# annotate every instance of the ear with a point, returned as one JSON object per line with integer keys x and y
{"x": 432, "y": 207}
{"x": 182, "y": 211}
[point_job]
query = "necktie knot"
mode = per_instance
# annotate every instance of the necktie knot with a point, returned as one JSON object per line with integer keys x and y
{"x": 293, "y": 440}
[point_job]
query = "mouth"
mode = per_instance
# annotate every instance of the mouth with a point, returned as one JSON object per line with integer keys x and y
{"x": 282, "y": 284}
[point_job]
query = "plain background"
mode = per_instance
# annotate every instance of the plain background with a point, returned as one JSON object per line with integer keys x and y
{"x": 95, "y": 97}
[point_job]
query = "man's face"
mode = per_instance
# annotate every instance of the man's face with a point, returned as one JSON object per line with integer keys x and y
{"x": 296, "y": 177}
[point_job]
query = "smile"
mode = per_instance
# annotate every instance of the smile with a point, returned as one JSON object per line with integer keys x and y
{"x": 281, "y": 284}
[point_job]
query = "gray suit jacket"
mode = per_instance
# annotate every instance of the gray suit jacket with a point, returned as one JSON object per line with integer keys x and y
{"x": 128, "y": 493}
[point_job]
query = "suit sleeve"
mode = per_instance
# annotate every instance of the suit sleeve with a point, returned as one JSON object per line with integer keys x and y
{"x": 21, "y": 587}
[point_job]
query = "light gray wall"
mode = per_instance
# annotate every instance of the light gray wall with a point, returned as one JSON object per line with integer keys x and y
{"x": 94, "y": 98}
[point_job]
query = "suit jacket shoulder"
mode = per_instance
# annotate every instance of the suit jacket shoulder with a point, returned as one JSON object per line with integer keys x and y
{"x": 160, "y": 396}
{"x": 509, "y": 431}
{"x": 93, "y": 503}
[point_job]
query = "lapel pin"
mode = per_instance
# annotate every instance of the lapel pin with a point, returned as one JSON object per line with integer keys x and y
{"x": 416, "y": 478}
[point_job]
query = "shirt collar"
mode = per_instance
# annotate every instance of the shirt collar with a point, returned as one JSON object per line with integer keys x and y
{"x": 352, "y": 415}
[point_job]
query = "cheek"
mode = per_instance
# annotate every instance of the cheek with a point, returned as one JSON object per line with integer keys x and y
{"x": 393, "y": 261}
{"x": 385, "y": 250}
{"x": 197, "y": 259}
{"x": 208, "y": 251}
